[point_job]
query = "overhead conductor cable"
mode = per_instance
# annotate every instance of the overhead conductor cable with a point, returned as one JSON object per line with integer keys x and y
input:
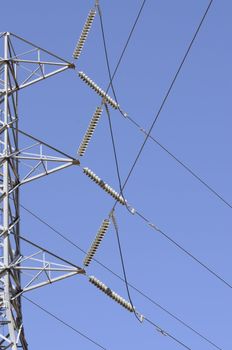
{"x": 98, "y": 90}
{"x": 84, "y": 34}
{"x": 111, "y": 293}
{"x": 104, "y": 186}
{"x": 100, "y": 235}
{"x": 89, "y": 132}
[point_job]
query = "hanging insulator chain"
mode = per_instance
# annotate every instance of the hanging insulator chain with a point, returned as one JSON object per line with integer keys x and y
{"x": 84, "y": 34}
{"x": 95, "y": 245}
{"x": 89, "y": 132}
{"x": 104, "y": 185}
{"x": 111, "y": 293}
{"x": 98, "y": 90}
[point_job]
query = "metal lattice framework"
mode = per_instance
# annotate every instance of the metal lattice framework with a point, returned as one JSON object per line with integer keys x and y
{"x": 25, "y": 158}
{"x": 21, "y": 65}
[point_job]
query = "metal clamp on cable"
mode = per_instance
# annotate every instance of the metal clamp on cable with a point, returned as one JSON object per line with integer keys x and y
{"x": 153, "y": 226}
{"x": 160, "y": 330}
{"x": 131, "y": 210}
{"x": 125, "y": 114}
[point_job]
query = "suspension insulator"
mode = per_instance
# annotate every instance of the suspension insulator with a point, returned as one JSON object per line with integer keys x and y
{"x": 95, "y": 245}
{"x": 84, "y": 34}
{"x": 89, "y": 132}
{"x": 104, "y": 185}
{"x": 111, "y": 293}
{"x": 98, "y": 90}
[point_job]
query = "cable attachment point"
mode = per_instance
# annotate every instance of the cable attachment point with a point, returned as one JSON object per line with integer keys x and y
{"x": 76, "y": 162}
{"x": 131, "y": 210}
{"x": 153, "y": 226}
{"x": 161, "y": 331}
{"x": 143, "y": 130}
{"x": 139, "y": 316}
{"x": 125, "y": 114}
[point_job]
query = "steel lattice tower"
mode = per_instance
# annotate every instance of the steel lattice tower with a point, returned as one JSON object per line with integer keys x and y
{"x": 25, "y": 158}
{"x": 22, "y": 64}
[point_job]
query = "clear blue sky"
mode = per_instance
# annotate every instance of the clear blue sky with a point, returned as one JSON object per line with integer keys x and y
{"x": 195, "y": 125}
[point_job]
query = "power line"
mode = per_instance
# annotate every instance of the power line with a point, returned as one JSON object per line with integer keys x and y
{"x": 114, "y": 150}
{"x": 173, "y": 337}
{"x": 158, "y": 328}
{"x": 186, "y": 167}
{"x": 116, "y": 228}
{"x": 167, "y": 93}
{"x": 117, "y": 166}
{"x": 127, "y": 43}
{"x": 171, "y": 240}
{"x": 147, "y": 135}
{"x": 106, "y": 290}
{"x": 111, "y": 77}
{"x": 112, "y": 132}
{"x": 160, "y": 109}
{"x": 112, "y": 213}
{"x": 63, "y": 322}
{"x": 129, "y": 296}
{"x": 52, "y": 228}
{"x": 163, "y": 332}
{"x": 74, "y": 329}
{"x": 120, "y": 278}
{"x": 123, "y": 264}
{"x": 175, "y": 317}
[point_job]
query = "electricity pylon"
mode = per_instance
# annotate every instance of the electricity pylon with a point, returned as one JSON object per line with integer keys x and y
{"x": 23, "y": 158}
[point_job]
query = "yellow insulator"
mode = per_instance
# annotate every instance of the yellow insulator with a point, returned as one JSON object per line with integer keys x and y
{"x": 104, "y": 185}
{"x": 95, "y": 245}
{"x": 84, "y": 34}
{"x": 89, "y": 132}
{"x": 98, "y": 90}
{"x": 111, "y": 293}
